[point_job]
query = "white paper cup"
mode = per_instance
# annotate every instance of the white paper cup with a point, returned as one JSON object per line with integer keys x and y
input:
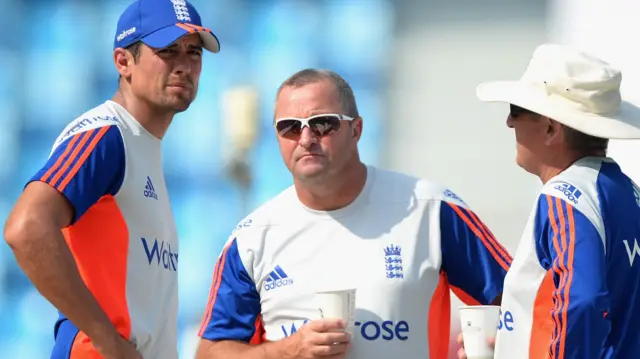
{"x": 479, "y": 324}
{"x": 338, "y": 304}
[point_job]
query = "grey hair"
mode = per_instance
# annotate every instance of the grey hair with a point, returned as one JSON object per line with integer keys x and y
{"x": 344, "y": 92}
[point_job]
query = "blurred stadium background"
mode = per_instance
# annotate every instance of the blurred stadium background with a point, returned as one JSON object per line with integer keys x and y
{"x": 413, "y": 64}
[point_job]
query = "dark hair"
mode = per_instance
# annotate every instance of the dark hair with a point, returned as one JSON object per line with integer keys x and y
{"x": 134, "y": 49}
{"x": 583, "y": 143}
{"x": 575, "y": 140}
{"x": 344, "y": 93}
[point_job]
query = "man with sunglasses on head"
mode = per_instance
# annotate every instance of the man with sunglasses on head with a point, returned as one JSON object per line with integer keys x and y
{"x": 401, "y": 242}
{"x": 573, "y": 291}
{"x": 93, "y": 229}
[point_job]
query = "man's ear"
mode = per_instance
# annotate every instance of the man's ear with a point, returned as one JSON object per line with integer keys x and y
{"x": 554, "y": 131}
{"x": 123, "y": 61}
{"x": 356, "y": 128}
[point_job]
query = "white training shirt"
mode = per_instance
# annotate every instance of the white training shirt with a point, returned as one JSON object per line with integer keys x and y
{"x": 573, "y": 290}
{"x": 123, "y": 235}
{"x": 403, "y": 243}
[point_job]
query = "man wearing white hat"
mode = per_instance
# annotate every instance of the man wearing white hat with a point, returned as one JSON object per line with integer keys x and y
{"x": 573, "y": 289}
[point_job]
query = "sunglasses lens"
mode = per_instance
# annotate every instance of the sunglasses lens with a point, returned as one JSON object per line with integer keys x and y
{"x": 515, "y": 111}
{"x": 322, "y": 126}
{"x": 289, "y": 128}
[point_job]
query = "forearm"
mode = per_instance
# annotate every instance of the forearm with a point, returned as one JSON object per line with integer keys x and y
{"x": 228, "y": 349}
{"x": 47, "y": 261}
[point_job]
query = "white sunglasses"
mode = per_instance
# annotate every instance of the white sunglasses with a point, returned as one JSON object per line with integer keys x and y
{"x": 320, "y": 125}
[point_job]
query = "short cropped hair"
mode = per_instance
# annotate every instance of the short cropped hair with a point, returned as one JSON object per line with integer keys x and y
{"x": 344, "y": 92}
{"x": 134, "y": 49}
{"x": 583, "y": 143}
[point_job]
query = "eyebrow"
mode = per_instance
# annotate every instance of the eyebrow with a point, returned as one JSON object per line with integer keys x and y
{"x": 190, "y": 47}
{"x": 322, "y": 112}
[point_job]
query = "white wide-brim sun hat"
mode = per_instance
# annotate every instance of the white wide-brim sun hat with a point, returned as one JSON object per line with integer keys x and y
{"x": 573, "y": 88}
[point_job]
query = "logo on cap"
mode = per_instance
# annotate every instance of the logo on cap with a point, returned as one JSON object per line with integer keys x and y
{"x": 182, "y": 12}
{"x": 126, "y": 33}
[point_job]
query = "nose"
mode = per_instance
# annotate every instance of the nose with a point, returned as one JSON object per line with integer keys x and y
{"x": 183, "y": 63}
{"x": 307, "y": 138}
{"x": 510, "y": 121}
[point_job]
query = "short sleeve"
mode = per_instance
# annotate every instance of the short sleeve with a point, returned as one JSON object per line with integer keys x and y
{"x": 474, "y": 261}
{"x": 86, "y": 167}
{"x": 233, "y": 309}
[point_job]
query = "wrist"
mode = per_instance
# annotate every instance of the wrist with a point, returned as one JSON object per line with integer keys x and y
{"x": 104, "y": 335}
{"x": 282, "y": 349}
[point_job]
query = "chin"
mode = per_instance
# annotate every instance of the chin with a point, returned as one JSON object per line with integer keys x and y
{"x": 309, "y": 175}
{"x": 526, "y": 166}
{"x": 178, "y": 100}
{"x": 180, "y": 105}
{"x": 309, "y": 172}
{"x": 521, "y": 163}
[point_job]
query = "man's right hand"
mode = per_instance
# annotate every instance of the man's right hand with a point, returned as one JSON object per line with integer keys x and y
{"x": 462, "y": 354}
{"x": 121, "y": 349}
{"x": 324, "y": 338}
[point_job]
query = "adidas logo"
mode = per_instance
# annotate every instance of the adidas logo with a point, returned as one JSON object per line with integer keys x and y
{"x": 277, "y": 278}
{"x": 149, "y": 190}
{"x": 570, "y": 191}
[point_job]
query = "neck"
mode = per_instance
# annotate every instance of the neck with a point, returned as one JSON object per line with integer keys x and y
{"x": 558, "y": 163}
{"x": 155, "y": 121}
{"x": 334, "y": 193}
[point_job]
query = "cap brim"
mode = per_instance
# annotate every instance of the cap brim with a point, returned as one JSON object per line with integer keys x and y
{"x": 623, "y": 124}
{"x": 512, "y": 92}
{"x": 498, "y": 91}
{"x": 166, "y": 36}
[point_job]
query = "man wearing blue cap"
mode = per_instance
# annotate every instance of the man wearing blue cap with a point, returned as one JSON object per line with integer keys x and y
{"x": 93, "y": 229}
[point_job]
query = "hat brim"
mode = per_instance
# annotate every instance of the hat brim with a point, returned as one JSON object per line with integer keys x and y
{"x": 168, "y": 35}
{"x": 623, "y": 124}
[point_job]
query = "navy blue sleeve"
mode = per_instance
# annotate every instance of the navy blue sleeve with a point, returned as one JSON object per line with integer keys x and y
{"x": 233, "y": 309}
{"x": 569, "y": 245}
{"x": 473, "y": 260}
{"x": 85, "y": 167}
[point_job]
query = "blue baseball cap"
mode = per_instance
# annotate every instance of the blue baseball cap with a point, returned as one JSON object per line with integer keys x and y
{"x": 160, "y": 23}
